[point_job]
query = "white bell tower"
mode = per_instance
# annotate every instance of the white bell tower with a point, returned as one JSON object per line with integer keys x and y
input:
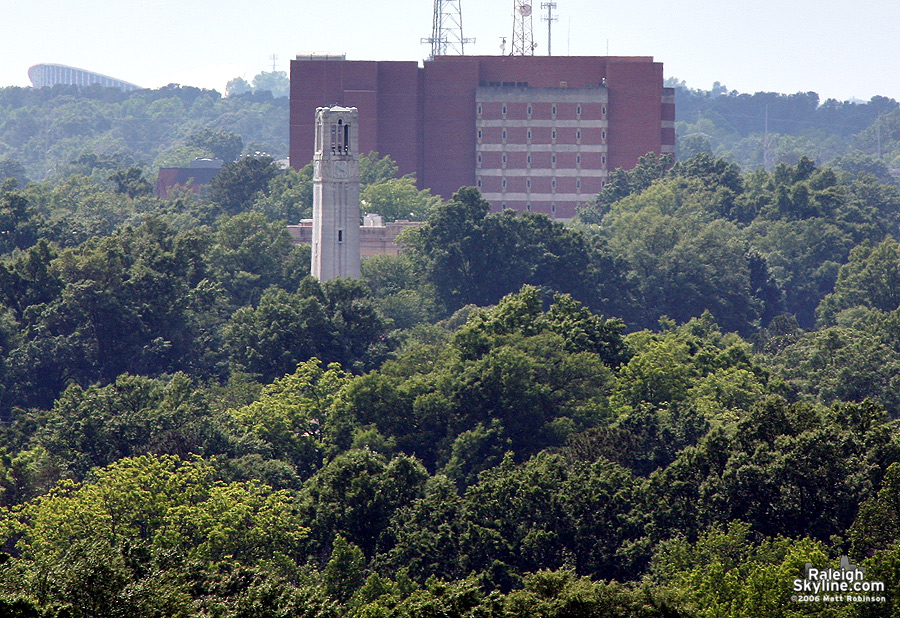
{"x": 335, "y": 234}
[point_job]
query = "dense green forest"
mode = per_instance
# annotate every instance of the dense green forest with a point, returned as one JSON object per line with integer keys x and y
{"x": 664, "y": 408}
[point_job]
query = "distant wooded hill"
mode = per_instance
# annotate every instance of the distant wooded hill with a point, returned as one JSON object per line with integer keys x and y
{"x": 50, "y": 133}
{"x": 767, "y": 128}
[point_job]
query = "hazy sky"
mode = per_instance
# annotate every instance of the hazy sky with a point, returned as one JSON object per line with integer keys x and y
{"x": 838, "y": 49}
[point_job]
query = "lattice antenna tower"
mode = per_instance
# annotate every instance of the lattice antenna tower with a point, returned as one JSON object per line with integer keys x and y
{"x": 523, "y": 34}
{"x": 447, "y": 30}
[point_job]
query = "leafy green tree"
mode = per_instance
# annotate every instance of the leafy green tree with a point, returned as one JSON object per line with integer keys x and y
{"x": 343, "y": 574}
{"x": 20, "y": 223}
{"x": 842, "y": 364}
{"x": 280, "y": 332}
{"x": 694, "y": 144}
{"x": 623, "y": 183}
{"x": 727, "y": 572}
{"x": 235, "y": 186}
{"x": 98, "y": 544}
{"x": 223, "y": 145}
{"x": 877, "y": 526}
{"x": 276, "y": 82}
{"x": 10, "y": 168}
{"x": 870, "y": 278}
{"x": 792, "y": 470}
{"x": 375, "y": 169}
{"x": 562, "y": 593}
{"x": 249, "y": 254}
{"x": 236, "y": 86}
{"x": 398, "y": 198}
{"x": 290, "y": 197}
{"x": 131, "y": 182}
{"x": 355, "y": 496}
{"x": 97, "y": 426}
{"x": 471, "y": 257}
{"x": 292, "y": 414}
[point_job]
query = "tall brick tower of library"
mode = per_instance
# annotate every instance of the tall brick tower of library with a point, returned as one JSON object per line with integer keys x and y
{"x": 335, "y": 234}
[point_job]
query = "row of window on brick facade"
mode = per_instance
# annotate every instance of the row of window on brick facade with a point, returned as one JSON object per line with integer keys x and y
{"x": 552, "y": 159}
{"x": 552, "y": 134}
{"x": 528, "y": 207}
{"x": 552, "y": 183}
{"x": 553, "y": 110}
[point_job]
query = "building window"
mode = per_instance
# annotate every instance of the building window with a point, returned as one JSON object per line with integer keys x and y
{"x": 552, "y": 207}
{"x": 479, "y": 158}
{"x": 528, "y": 207}
{"x": 578, "y": 134}
{"x": 529, "y": 110}
{"x": 340, "y": 235}
{"x": 504, "y": 133}
{"x": 554, "y": 110}
{"x": 528, "y": 183}
{"x": 577, "y": 158}
{"x": 479, "y": 182}
{"x": 603, "y": 134}
{"x": 578, "y": 184}
{"x": 479, "y": 133}
{"x": 578, "y": 110}
{"x": 602, "y": 183}
{"x": 528, "y": 159}
{"x": 479, "y": 109}
{"x": 603, "y": 159}
{"x": 504, "y": 110}
{"x": 553, "y": 134}
{"x": 603, "y": 111}
{"x": 553, "y": 183}
{"x": 553, "y": 159}
{"x": 504, "y": 158}
{"x": 504, "y": 183}
{"x": 529, "y": 133}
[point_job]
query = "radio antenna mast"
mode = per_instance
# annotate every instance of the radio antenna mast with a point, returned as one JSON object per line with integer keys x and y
{"x": 549, "y": 19}
{"x": 447, "y": 30}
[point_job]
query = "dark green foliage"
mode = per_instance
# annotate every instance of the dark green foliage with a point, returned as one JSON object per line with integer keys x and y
{"x": 20, "y": 223}
{"x": 355, "y": 496}
{"x": 223, "y": 145}
{"x": 701, "y": 237}
{"x": 235, "y": 187}
{"x": 131, "y": 182}
{"x": 471, "y": 257}
{"x": 335, "y": 322}
{"x": 10, "y": 168}
{"x": 343, "y": 575}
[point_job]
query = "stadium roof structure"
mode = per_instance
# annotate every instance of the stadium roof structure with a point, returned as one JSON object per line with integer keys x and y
{"x": 46, "y": 75}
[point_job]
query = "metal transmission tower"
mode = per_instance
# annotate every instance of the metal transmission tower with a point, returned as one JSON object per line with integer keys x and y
{"x": 446, "y": 29}
{"x": 523, "y": 35}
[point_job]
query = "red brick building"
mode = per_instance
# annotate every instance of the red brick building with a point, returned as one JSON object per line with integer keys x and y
{"x": 535, "y": 133}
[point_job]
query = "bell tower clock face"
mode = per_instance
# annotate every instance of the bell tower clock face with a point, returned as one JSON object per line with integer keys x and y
{"x": 341, "y": 169}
